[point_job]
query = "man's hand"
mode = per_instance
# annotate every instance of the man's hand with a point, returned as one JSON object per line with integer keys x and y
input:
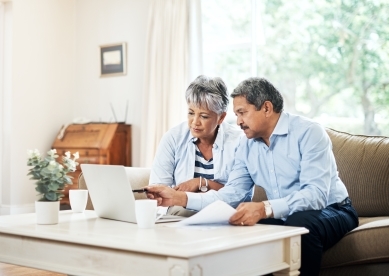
{"x": 191, "y": 185}
{"x": 166, "y": 196}
{"x": 248, "y": 213}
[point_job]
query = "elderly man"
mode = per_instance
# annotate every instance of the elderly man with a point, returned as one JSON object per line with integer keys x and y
{"x": 291, "y": 158}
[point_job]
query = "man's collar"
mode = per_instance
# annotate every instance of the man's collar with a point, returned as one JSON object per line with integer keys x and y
{"x": 282, "y": 126}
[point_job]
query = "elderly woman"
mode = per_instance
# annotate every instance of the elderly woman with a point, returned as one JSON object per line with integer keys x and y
{"x": 198, "y": 155}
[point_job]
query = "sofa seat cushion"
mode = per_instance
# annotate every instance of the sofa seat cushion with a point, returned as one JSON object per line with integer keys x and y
{"x": 368, "y": 243}
{"x": 365, "y": 223}
{"x": 372, "y": 269}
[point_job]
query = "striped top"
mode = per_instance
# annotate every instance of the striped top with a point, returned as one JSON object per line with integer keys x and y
{"x": 174, "y": 161}
{"x": 203, "y": 168}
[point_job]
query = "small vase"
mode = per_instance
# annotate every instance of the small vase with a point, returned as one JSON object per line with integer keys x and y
{"x": 47, "y": 212}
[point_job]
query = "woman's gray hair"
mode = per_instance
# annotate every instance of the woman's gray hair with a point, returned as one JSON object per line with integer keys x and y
{"x": 209, "y": 93}
{"x": 257, "y": 91}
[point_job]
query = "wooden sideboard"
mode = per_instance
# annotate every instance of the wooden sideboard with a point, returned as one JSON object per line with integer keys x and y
{"x": 97, "y": 143}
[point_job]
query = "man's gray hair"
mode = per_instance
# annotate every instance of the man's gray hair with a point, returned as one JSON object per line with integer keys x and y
{"x": 257, "y": 91}
{"x": 208, "y": 93}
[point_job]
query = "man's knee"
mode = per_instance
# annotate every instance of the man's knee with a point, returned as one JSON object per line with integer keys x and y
{"x": 303, "y": 219}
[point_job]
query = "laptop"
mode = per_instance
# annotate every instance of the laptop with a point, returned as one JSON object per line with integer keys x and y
{"x": 111, "y": 192}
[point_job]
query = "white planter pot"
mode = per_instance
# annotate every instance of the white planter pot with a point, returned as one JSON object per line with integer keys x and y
{"x": 47, "y": 212}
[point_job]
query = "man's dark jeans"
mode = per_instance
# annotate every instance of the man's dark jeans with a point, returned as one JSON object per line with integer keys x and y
{"x": 326, "y": 227}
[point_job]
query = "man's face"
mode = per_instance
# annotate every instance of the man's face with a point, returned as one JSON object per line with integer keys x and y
{"x": 253, "y": 122}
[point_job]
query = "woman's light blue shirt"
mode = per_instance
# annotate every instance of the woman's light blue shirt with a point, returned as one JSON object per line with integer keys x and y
{"x": 298, "y": 170}
{"x": 174, "y": 161}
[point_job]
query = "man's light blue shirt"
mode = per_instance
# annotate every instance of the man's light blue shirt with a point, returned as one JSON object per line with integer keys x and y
{"x": 174, "y": 162}
{"x": 298, "y": 170}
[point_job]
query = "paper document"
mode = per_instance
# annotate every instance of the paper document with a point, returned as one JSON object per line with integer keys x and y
{"x": 217, "y": 212}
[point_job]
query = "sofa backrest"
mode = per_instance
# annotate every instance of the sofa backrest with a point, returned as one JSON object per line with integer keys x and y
{"x": 363, "y": 165}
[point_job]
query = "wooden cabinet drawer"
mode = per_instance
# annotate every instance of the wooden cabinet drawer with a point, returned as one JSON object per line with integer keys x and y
{"x": 81, "y": 152}
{"x": 96, "y": 143}
{"x": 89, "y": 160}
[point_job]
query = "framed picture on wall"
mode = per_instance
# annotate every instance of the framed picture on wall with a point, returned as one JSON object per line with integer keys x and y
{"x": 113, "y": 60}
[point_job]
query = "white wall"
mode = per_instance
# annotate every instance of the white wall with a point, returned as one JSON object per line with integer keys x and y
{"x": 106, "y": 22}
{"x": 42, "y": 88}
{"x": 5, "y": 96}
{"x": 55, "y": 78}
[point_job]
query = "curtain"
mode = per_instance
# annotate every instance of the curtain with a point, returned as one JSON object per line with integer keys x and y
{"x": 195, "y": 40}
{"x": 167, "y": 71}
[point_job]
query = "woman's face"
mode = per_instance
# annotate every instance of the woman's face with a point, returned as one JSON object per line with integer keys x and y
{"x": 203, "y": 122}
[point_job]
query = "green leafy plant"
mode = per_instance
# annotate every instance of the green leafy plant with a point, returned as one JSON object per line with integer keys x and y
{"x": 51, "y": 176}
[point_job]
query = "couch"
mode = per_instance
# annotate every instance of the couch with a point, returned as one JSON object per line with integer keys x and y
{"x": 363, "y": 165}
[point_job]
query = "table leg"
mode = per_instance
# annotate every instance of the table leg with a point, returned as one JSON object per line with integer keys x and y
{"x": 292, "y": 257}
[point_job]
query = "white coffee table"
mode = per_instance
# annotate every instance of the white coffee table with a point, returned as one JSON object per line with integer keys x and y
{"x": 82, "y": 244}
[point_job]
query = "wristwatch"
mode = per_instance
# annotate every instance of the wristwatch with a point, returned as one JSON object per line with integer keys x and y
{"x": 204, "y": 188}
{"x": 268, "y": 209}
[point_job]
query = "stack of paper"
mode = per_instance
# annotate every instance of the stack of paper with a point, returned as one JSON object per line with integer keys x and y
{"x": 217, "y": 212}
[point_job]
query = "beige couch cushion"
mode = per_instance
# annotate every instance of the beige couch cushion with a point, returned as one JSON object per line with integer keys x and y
{"x": 371, "y": 269}
{"x": 363, "y": 165}
{"x": 368, "y": 243}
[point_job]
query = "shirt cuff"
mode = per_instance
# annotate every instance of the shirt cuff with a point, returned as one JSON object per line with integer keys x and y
{"x": 194, "y": 201}
{"x": 280, "y": 208}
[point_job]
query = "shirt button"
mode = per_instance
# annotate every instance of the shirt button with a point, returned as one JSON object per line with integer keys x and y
{"x": 275, "y": 191}
{"x": 271, "y": 171}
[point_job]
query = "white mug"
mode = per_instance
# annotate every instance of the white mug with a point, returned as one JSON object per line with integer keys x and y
{"x": 146, "y": 213}
{"x": 78, "y": 200}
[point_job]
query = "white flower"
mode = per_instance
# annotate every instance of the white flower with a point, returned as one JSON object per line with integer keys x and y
{"x": 33, "y": 153}
{"x": 52, "y": 152}
{"x": 76, "y": 155}
{"x": 67, "y": 154}
{"x": 60, "y": 167}
{"x": 72, "y": 164}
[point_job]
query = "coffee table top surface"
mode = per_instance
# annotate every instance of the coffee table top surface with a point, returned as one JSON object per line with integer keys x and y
{"x": 190, "y": 241}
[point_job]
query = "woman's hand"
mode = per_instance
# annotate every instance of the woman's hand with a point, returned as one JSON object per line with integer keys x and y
{"x": 191, "y": 185}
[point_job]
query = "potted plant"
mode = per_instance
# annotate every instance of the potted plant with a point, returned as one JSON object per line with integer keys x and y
{"x": 51, "y": 178}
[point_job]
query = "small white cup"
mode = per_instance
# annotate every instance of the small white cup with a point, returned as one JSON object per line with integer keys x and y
{"x": 146, "y": 212}
{"x": 78, "y": 200}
